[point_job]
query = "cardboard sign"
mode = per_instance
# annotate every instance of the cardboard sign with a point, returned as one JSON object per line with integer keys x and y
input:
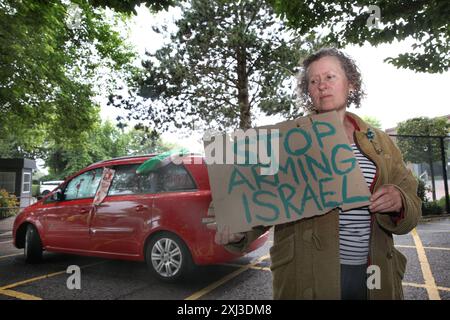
{"x": 313, "y": 170}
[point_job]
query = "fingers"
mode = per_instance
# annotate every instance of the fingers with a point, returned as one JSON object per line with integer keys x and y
{"x": 221, "y": 237}
{"x": 212, "y": 226}
{"x": 225, "y": 237}
{"x": 378, "y": 193}
{"x": 236, "y": 237}
{"x": 386, "y": 199}
{"x": 382, "y": 204}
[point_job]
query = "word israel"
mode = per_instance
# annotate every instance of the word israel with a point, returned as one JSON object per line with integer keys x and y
{"x": 252, "y": 146}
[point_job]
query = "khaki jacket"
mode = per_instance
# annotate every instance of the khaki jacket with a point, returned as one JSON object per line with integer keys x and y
{"x": 305, "y": 253}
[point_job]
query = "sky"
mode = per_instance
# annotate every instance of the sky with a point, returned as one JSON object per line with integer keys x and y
{"x": 393, "y": 95}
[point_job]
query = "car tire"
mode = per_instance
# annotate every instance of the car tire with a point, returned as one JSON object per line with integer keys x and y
{"x": 33, "y": 245}
{"x": 45, "y": 192}
{"x": 168, "y": 257}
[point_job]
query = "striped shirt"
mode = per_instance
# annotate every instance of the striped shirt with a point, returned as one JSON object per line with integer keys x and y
{"x": 354, "y": 224}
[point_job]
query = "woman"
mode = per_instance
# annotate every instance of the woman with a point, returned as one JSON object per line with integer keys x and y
{"x": 328, "y": 256}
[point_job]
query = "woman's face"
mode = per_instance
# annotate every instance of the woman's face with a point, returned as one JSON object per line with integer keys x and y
{"x": 328, "y": 86}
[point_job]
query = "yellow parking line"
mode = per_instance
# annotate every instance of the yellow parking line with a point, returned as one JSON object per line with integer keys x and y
{"x": 13, "y": 285}
{"x": 428, "y": 248}
{"x": 418, "y": 285}
{"x": 433, "y": 292}
{"x": 19, "y": 295}
{"x": 11, "y": 255}
{"x": 20, "y": 283}
{"x": 240, "y": 265}
{"x": 225, "y": 279}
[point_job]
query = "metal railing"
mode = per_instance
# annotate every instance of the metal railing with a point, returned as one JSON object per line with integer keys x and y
{"x": 428, "y": 158}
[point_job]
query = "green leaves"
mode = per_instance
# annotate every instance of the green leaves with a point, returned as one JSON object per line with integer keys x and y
{"x": 425, "y": 21}
{"x": 128, "y": 6}
{"x": 226, "y": 60}
{"x": 50, "y": 72}
{"x": 418, "y": 150}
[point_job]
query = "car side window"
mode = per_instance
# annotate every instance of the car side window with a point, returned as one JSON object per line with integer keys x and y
{"x": 84, "y": 185}
{"x": 174, "y": 178}
{"x": 125, "y": 181}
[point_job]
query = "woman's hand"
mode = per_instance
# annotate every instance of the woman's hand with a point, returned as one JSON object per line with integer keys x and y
{"x": 224, "y": 237}
{"x": 386, "y": 199}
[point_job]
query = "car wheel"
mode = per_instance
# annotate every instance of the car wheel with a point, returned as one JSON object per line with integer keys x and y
{"x": 45, "y": 192}
{"x": 168, "y": 257}
{"x": 33, "y": 245}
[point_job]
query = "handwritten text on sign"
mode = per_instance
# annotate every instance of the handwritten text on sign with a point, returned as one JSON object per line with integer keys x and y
{"x": 317, "y": 172}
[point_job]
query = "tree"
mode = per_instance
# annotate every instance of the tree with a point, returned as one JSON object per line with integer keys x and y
{"x": 50, "y": 71}
{"x": 104, "y": 141}
{"x": 426, "y": 149}
{"x": 351, "y": 22}
{"x": 374, "y": 122}
{"x": 226, "y": 59}
{"x": 128, "y": 6}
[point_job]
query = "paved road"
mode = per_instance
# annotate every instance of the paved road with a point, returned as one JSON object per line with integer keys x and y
{"x": 427, "y": 275}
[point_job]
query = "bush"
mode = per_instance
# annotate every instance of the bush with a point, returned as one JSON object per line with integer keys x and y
{"x": 431, "y": 207}
{"x": 35, "y": 190}
{"x": 441, "y": 203}
{"x": 422, "y": 190}
{"x": 8, "y": 204}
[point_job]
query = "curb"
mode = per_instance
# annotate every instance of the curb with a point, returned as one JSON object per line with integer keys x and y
{"x": 434, "y": 217}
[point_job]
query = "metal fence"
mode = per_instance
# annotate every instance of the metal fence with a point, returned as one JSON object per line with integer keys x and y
{"x": 428, "y": 157}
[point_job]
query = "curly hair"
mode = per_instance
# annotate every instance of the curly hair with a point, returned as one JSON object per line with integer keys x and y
{"x": 351, "y": 71}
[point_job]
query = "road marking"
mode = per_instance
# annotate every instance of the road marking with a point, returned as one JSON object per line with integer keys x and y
{"x": 19, "y": 295}
{"x": 431, "y": 248}
{"x": 46, "y": 276}
{"x": 225, "y": 279}
{"x": 3, "y": 242}
{"x": 11, "y": 255}
{"x": 16, "y": 284}
{"x": 240, "y": 265}
{"x": 418, "y": 285}
{"x": 433, "y": 292}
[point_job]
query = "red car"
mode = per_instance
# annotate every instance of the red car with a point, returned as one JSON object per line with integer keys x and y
{"x": 154, "y": 217}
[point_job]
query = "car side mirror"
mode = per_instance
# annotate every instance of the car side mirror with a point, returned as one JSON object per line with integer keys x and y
{"x": 58, "y": 195}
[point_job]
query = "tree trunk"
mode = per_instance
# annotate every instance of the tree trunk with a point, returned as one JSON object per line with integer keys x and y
{"x": 245, "y": 121}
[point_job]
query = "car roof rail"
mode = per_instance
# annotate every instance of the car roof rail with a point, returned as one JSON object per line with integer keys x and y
{"x": 139, "y": 156}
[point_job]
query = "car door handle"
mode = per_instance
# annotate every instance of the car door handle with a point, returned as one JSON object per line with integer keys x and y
{"x": 84, "y": 211}
{"x": 140, "y": 208}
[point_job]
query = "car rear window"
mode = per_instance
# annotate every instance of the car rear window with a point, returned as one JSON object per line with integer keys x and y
{"x": 126, "y": 181}
{"x": 168, "y": 178}
{"x": 174, "y": 178}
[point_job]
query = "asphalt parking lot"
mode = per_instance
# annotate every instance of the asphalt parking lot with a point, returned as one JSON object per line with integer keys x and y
{"x": 427, "y": 275}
